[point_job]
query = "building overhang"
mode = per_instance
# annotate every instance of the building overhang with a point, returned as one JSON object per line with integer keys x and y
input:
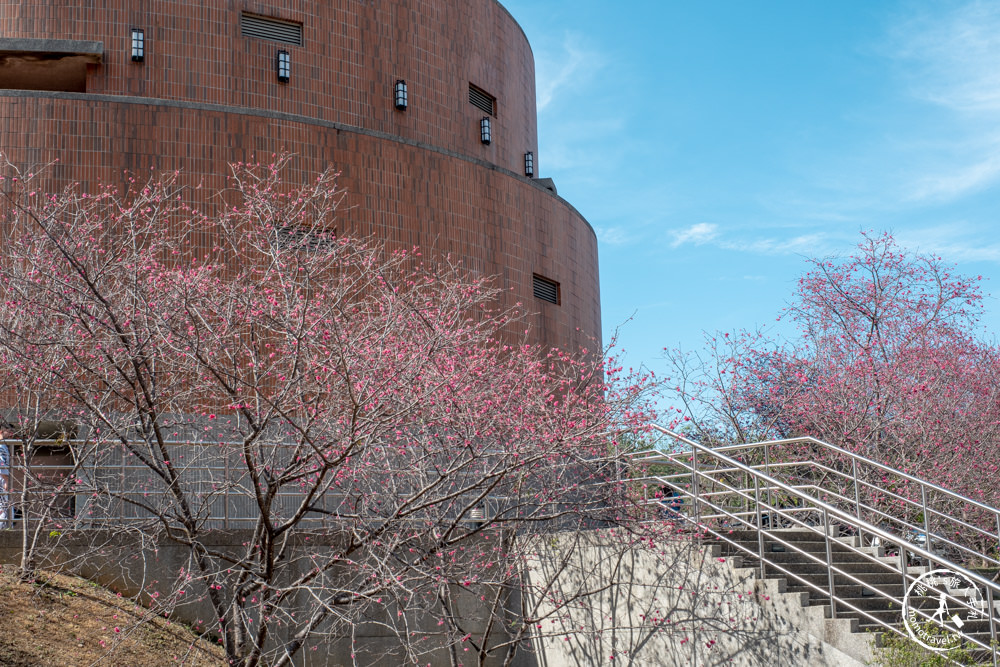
{"x": 48, "y": 64}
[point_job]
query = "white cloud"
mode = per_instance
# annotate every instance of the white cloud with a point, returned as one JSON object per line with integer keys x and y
{"x": 936, "y": 124}
{"x": 563, "y": 70}
{"x": 812, "y": 245}
{"x": 958, "y": 181}
{"x": 617, "y": 236}
{"x": 954, "y": 241}
{"x": 753, "y": 278}
{"x": 952, "y": 61}
{"x": 698, "y": 234}
{"x": 956, "y": 56}
{"x": 577, "y": 146}
{"x": 582, "y": 128}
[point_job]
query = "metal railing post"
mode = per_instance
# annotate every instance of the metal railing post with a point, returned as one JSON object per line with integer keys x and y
{"x": 659, "y": 502}
{"x": 902, "y": 564}
{"x": 695, "y": 486}
{"x": 829, "y": 563}
{"x": 927, "y": 521}
{"x": 760, "y": 530}
{"x": 767, "y": 470}
{"x": 857, "y": 500}
{"x": 997, "y": 515}
{"x": 993, "y": 624}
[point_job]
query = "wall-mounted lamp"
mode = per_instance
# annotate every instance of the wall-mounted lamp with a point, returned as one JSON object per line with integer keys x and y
{"x": 484, "y": 130}
{"x": 401, "y": 95}
{"x": 529, "y": 164}
{"x": 284, "y": 66}
{"x": 138, "y": 45}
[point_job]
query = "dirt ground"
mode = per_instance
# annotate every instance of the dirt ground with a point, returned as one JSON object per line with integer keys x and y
{"x": 62, "y": 621}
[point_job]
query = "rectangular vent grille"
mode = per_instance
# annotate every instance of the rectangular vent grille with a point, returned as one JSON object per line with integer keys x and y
{"x": 276, "y": 30}
{"x": 482, "y": 100}
{"x": 546, "y": 290}
{"x": 297, "y": 238}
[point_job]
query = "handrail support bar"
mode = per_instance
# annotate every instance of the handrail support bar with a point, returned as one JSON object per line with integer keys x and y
{"x": 829, "y": 563}
{"x": 760, "y": 527}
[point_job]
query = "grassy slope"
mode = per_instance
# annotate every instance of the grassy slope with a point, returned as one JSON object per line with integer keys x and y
{"x": 62, "y": 621}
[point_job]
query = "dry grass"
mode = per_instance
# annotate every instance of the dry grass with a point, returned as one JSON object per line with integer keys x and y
{"x": 62, "y": 621}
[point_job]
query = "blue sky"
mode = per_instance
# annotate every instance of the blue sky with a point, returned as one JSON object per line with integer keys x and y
{"x": 713, "y": 145}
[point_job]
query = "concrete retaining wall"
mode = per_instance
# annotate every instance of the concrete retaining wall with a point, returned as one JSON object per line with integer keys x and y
{"x": 672, "y": 603}
{"x": 681, "y": 604}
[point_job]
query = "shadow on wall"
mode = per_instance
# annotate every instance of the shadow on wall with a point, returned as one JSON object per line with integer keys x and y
{"x": 671, "y": 603}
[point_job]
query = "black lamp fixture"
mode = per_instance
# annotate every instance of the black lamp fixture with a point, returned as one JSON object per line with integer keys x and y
{"x": 401, "y": 95}
{"x": 138, "y": 45}
{"x": 284, "y": 66}
{"x": 529, "y": 164}
{"x": 484, "y": 130}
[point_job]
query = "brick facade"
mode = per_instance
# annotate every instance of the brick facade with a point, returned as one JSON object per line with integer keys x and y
{"x": 205, "y": 95}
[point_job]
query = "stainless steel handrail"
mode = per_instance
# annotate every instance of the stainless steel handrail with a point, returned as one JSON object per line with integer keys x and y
{"x": 888, "y": 492}
{"x": 831, "y": 571}
{"x": 852, "y": 455}
{"x": 927, "y": 508}
{"x": 869, "y": 528}
{"x": 764, "y": 481}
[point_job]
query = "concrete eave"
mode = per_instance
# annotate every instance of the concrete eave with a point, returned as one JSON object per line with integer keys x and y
{"x": 53, "y": 49}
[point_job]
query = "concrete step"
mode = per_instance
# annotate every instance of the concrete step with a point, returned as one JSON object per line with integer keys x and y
{"x": 790, "y": 556}
{"x": 852, "y": 590}
{"x": 870, "y": 616}
{"x": 876, "y": 603}
{"x": 803, "y": 535}
{"x": 876, "y": 580}
{"x": 816, "y": 547}
{"x": 857, "y": 569}
{"x": 979, "y": 630}
{"x": 879, "y": 610}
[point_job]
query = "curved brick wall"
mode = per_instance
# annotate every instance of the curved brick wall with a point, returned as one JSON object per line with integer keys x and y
{"x": 205, "y": 96}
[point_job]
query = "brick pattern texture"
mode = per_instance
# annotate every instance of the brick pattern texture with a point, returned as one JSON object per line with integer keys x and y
{"x": 206, "y": 96}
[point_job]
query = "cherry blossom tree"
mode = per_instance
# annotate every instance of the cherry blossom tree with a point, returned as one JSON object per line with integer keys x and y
{"x": 384, "y": 450}
{"x": 39, "y": 431}
{"x": 886, "y": 363}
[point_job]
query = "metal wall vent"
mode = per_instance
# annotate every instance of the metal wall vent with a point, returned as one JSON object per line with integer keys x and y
{"x": 545, "y": 289}
{"x": 298, "y": 238}
{"x": 482, "y": 100}
{"x": 276, "y": 30}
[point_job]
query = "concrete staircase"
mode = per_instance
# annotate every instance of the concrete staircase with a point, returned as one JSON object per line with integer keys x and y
{"x": 744, "y": 497}
{"x": 864, "y": 593}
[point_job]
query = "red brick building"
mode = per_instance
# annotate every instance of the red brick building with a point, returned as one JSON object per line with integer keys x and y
{"x": 427, "y": 107}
